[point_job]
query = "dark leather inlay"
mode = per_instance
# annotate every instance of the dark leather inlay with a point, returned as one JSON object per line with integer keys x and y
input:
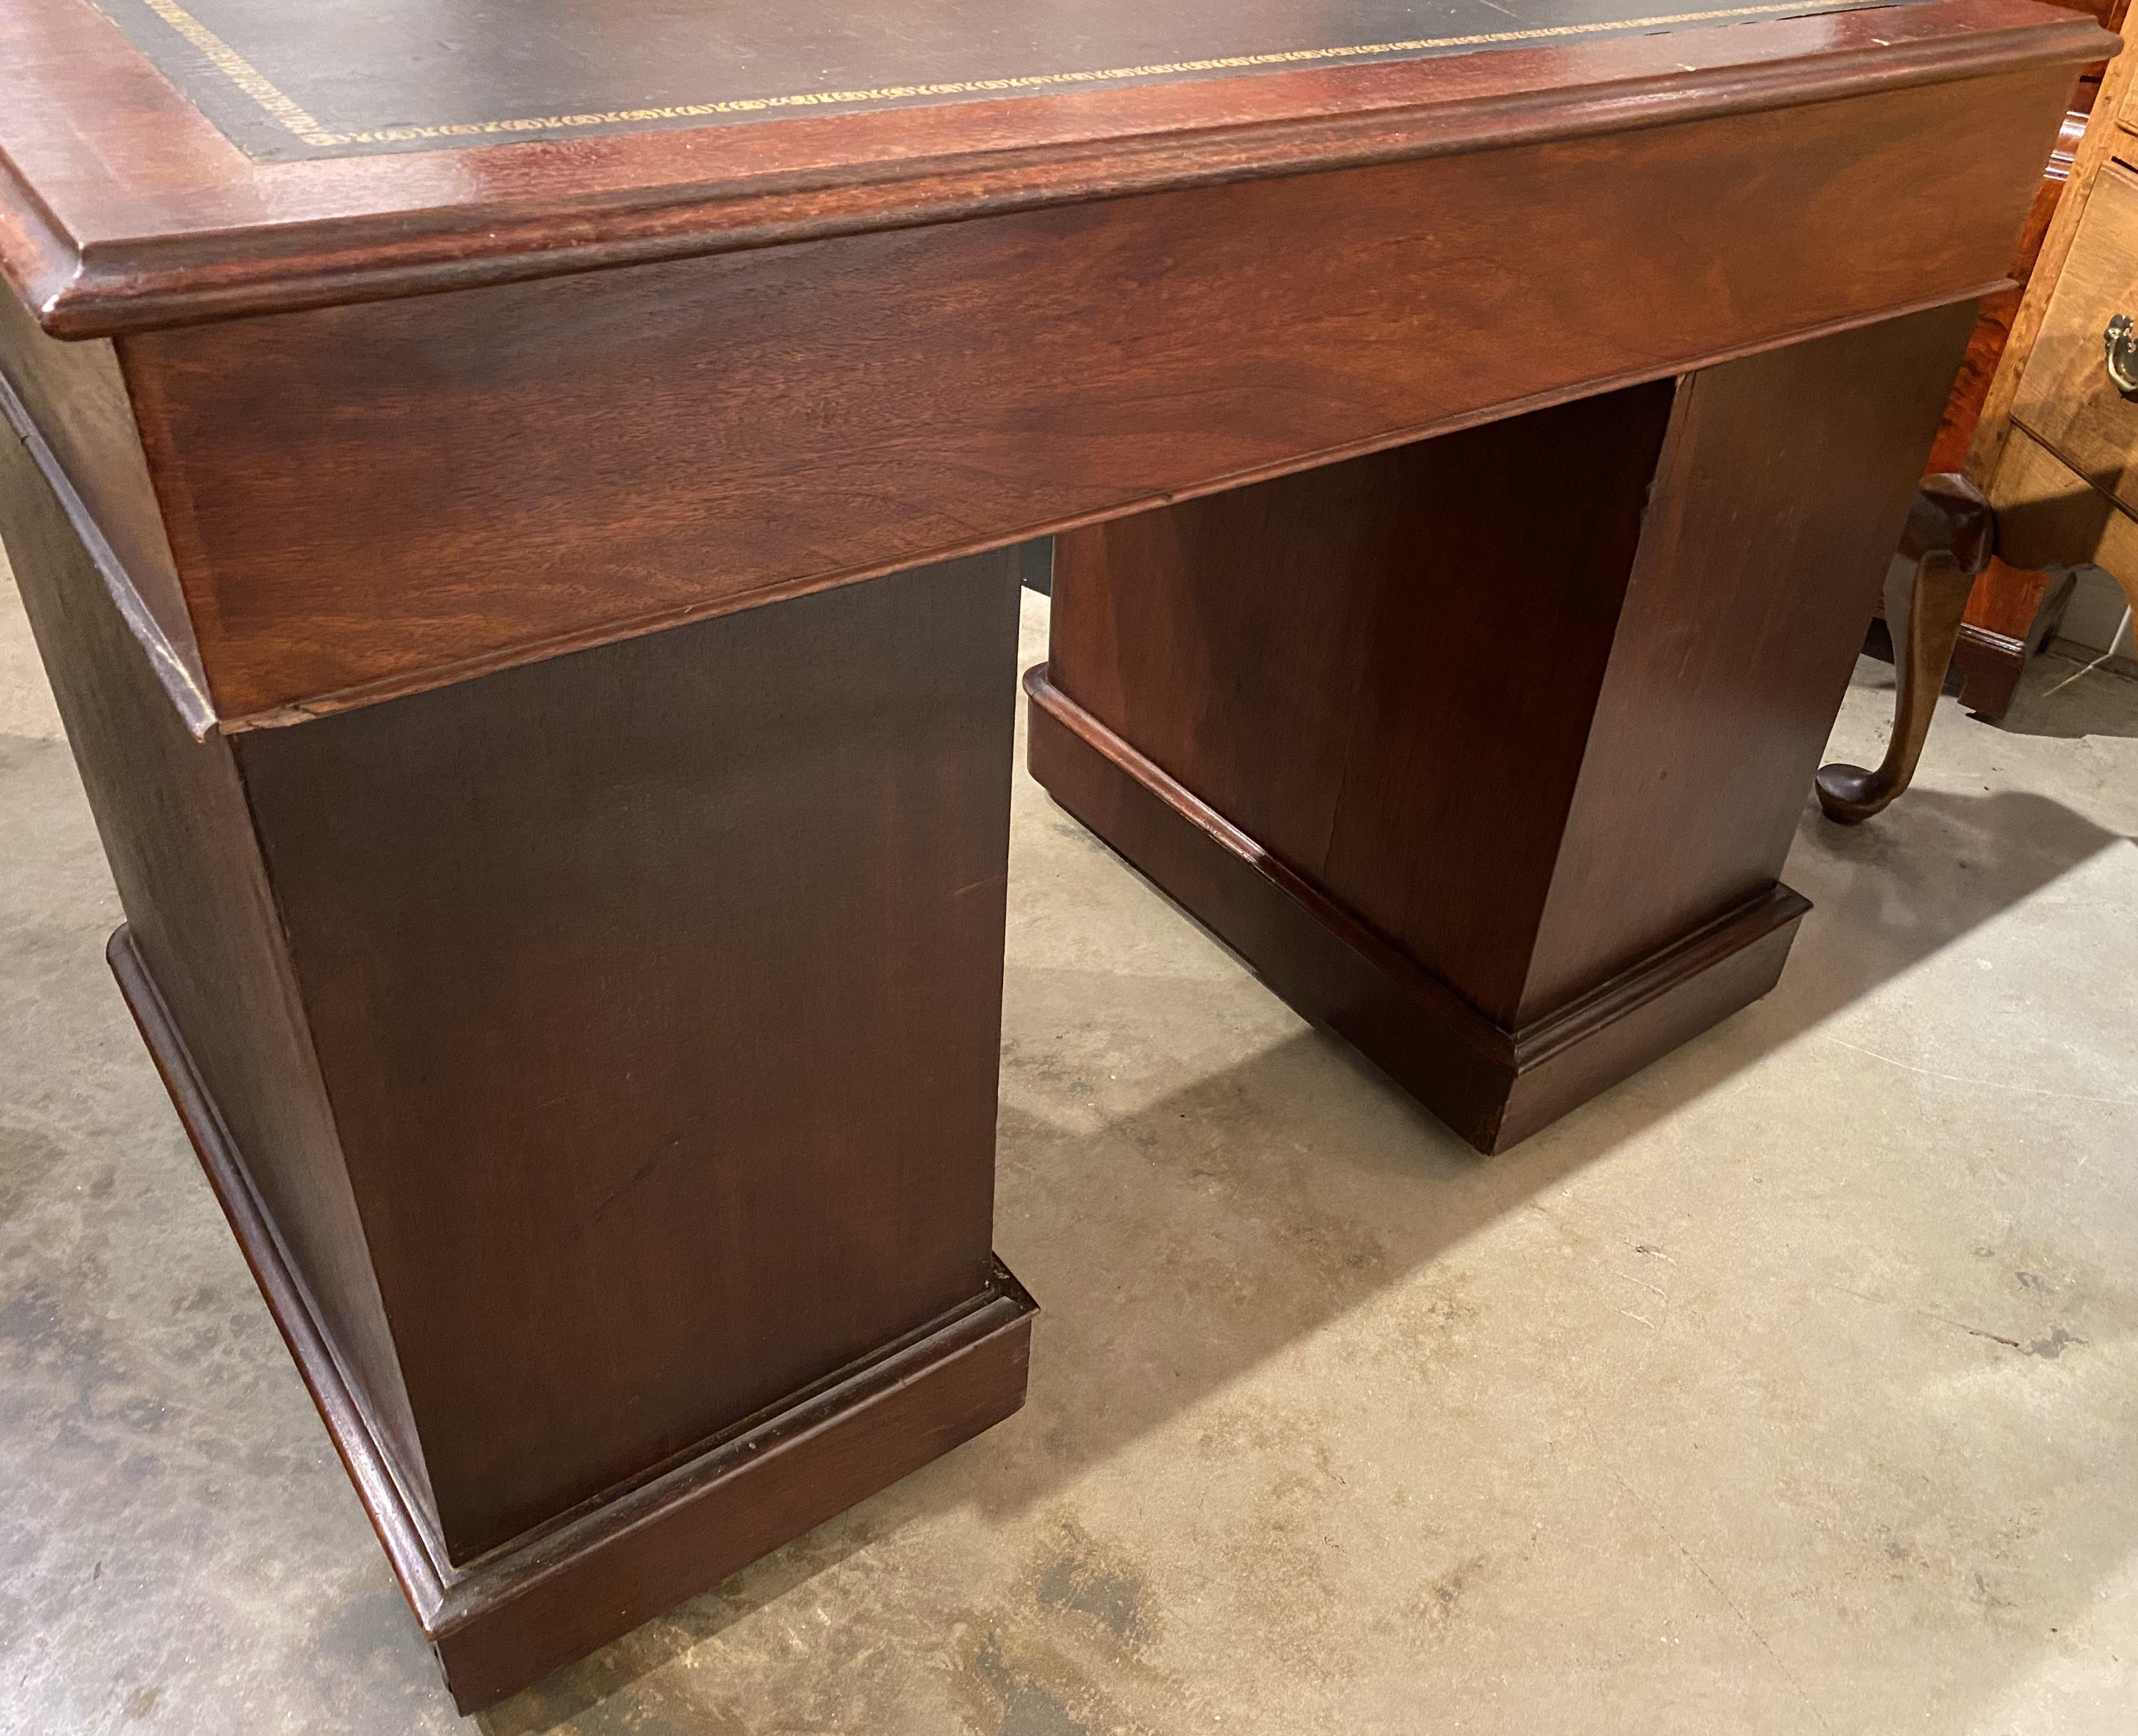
{"x": 334, "y": 78}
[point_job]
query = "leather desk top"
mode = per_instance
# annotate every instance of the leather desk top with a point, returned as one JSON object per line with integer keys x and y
{"x": 167, "y": 161}
{"x": 345, "y": 77}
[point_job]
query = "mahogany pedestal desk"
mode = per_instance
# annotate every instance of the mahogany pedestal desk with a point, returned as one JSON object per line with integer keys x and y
{"x": 518, "y": 523}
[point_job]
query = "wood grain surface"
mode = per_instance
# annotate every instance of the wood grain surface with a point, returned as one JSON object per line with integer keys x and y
{"x": 2096, "y": 150}
{"x": 1492, "y": 1086}
{"x": 1759, "y": 562}
{"x": 170, "y": 811}
{"x": 584, "y": 457}
{"x": 2065, "y": 398}
{"x": 122, "y": 206}
{"x": 75, "y": 398}
{"x": 576, "y": 948}
{"x": 518, "y": 1613}
{"x": 656, "y": 991}
{"x": 1993, "y": 324}
{"x": 602, "y": 1084}
{"x": 2048, "y": 515}
{"x": 1285, "y": 676}
{"x": 615, "y": 1054}
{"x": 1376, "y": 735}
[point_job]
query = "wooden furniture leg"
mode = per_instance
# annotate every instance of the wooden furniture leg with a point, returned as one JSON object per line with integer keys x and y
{"x": 596, "y": 1061}
{"x": 1486, "y": 751}
{"x": 1949, "y": 533}
{"x": 1999, "y": 633}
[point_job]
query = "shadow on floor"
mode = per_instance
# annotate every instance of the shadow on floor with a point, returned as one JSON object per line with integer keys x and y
{"x": 1178, "y": 1244}
{"x": 2067, "y": 699}
{"x": 1296, "y": 1218}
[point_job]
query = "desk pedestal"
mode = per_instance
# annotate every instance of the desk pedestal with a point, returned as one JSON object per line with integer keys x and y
{"x": 1486, "y": 751}
{"x": 596, "y": 1062}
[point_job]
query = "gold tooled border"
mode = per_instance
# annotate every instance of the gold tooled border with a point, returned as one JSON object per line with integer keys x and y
{"x": 294, "y": 119}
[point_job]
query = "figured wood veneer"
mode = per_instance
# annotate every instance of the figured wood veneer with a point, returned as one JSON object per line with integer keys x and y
{"x": 514, "y": 1013}
{"x": 1509, "y": 882}
{"x": 775, "y": 421}
{"x": 2066, "y": 399}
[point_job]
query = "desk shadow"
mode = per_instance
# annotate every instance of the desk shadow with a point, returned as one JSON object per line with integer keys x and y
{"x": 1180, "y": 1242}
{"x": 2064, "y": 698}
{"x": 1197, "y": 1238}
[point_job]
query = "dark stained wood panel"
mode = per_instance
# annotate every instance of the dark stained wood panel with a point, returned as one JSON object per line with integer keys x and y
{"x": 171, "y": 813}
{"x": 1784, "y": 488}
{"x": 73, "y": 394}
{"x": 1429, "y": 801}
{"x": 656, "y": 990}
{"x": 342, "y": 77}
{"x": 1458, "y": 777}
{"x": 1493, "y": 1086}
{"x": 596, "y": 1002}
{"x": 554, "y": 463}
{"x": 511, "y": 1617}
{"x": 1511, "y": 881}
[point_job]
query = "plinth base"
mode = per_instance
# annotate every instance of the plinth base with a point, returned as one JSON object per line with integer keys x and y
{"x": 1492, "y": 1085}
{"x": 508, "y": 1618}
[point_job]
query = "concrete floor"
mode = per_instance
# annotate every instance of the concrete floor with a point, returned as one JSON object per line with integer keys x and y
{"x": 1791, "y": 1386}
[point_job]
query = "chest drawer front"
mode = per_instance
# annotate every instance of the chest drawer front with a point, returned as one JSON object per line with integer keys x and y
{"x": 2048, "y": 514}
{"x": 2066, "y": 398}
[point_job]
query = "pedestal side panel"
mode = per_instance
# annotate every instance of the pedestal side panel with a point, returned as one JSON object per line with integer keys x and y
{"x": 657, "y": 988}
{"x": 180, "y": 842}
{"x": 1780, "y": 501}
{"x": 1383, "y": 671}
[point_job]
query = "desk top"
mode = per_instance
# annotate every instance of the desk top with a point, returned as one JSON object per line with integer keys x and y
{"x": 163, "y": 161}
{"x": 350, "y": 77}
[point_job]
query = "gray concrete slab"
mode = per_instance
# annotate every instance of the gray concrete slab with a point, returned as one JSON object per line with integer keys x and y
{"x": 1789, "y": 1388}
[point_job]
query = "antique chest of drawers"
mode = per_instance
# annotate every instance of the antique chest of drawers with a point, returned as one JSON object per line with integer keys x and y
{"x": 2057, "y": 449}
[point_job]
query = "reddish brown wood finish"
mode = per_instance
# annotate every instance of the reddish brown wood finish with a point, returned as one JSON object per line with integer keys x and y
{"x": 520, "y": 1612}
{"x": 1715, "y": 706}
{"x": 73, "y": 396}
{"x": 1494, "y": 1087}
{"x": 121, "y": 206}
{"x": 595, "y": 1053}
{"x": 1992, "y": 325}
{"x": 1020, "y": 374}
{"x": 1378, "y": 730}
{"x": 614, "y": 1054}
{"x": 595, "y": 927}
{"x": 1291, "y": 670}
{"x": 170, "y": 810}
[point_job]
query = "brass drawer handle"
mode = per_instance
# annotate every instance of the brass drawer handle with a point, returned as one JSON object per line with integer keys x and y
{"x": 2121, "y": 341}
